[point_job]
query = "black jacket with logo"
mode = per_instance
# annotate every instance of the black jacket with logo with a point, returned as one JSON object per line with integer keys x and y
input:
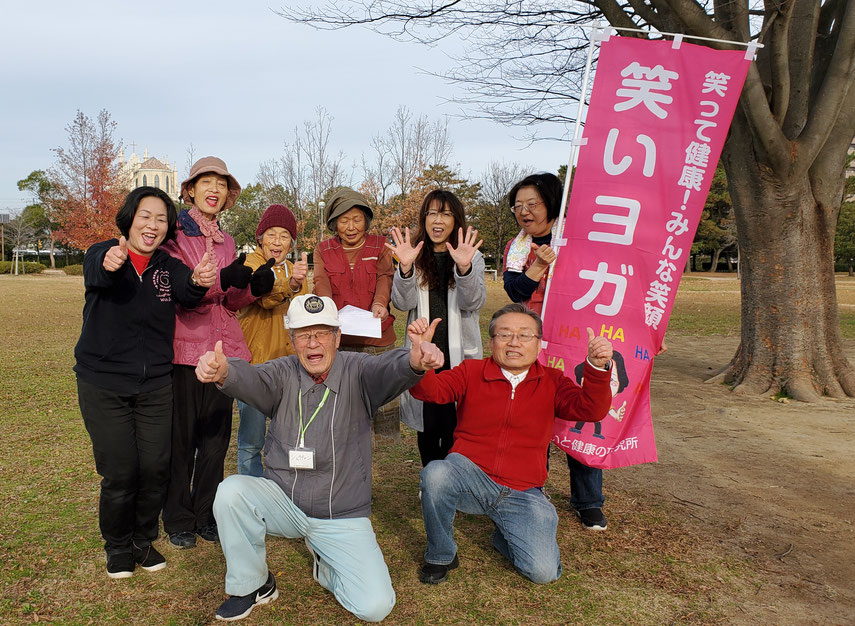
{"x": 129, "y": 320}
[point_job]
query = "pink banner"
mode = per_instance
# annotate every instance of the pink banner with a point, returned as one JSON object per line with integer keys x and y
{"x": 657, "y": 121}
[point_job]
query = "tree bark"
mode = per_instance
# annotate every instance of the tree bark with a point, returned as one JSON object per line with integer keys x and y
{"x": 791, "y": 339}
{"x": 715, "y": 255}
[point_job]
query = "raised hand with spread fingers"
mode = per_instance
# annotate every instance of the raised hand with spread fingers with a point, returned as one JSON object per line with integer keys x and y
{"x": 403, "y": 249}
{"x": 466, "y": 248}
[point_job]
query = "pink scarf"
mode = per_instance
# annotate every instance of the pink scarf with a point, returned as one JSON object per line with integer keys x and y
{"x": 210, "y": 229}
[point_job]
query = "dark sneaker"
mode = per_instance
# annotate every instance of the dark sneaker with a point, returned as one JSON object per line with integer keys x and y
{"x": 316, "y": 560}
{"x": 592, "y": 519}
{"x": 184, "y": 539}
{"x": 149, "y": 559}
{"x": 433, "y": 574}
{"x": 120, "y": 565}
{"x": 209, "y": 533}
{"x": 238, "y": 607}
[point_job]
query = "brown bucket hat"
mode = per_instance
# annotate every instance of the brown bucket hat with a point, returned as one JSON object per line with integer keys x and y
{"x": 343, "y": 201}
{"x": 217, "y": 166}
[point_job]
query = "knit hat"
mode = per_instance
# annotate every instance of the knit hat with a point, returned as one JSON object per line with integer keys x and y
{"x": 277, "y": 215}
{"x": 309, "y": 310}
{"x": 343, "y": 201}
{"x": 217, "y": 166}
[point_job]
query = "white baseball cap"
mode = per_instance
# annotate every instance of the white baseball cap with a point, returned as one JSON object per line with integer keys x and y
{"x": 311, "y": 310}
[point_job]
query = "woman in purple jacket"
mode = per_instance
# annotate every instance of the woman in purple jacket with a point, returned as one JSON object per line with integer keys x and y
{"x": 202, "y": 415}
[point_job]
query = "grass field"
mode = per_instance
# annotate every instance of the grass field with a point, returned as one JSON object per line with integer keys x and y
{"x": 648, "y": 570}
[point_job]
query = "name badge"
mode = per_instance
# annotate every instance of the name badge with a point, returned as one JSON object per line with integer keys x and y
{"x": 301, "y": 458}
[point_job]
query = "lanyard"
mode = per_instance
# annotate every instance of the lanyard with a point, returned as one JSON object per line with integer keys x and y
{"x": 303, "y": 429}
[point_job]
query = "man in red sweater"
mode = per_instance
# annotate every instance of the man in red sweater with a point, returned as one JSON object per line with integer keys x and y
{"x": 506, "y": 406}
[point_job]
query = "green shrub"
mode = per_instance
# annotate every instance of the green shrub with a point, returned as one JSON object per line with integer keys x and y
{"x": 73, "y": 270}
{"x": 29, "y": 267}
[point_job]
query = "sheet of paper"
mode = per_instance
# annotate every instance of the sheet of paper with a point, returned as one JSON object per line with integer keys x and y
{"x": 356, "y": 321}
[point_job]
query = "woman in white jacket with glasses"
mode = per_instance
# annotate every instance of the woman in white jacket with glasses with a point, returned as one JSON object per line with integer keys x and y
{"x": 440, "y": 275}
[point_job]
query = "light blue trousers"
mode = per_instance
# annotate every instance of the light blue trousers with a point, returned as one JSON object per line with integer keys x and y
{"x": 351, "y": 563}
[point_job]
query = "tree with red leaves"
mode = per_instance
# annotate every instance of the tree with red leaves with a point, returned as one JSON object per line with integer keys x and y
{"x": 90, "y": 186}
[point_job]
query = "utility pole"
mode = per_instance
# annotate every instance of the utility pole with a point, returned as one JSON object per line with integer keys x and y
{"x": 4, "y": 219}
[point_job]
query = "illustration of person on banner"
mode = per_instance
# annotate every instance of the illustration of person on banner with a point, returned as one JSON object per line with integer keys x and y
{"x": 656, "y": 123}
{"x": 619, "y": 382}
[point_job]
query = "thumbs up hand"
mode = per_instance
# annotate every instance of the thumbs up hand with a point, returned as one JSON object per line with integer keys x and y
{"x": 116, "y": 256}
{"x": 424, "y": 355}
{"x": 205, "y": 274}
{"x": 262, "y": 279}
{"x": 599, "y": 350}
{"x": 213, "y": 366}
{"x": 235, "y": 274}
{"x": 301, "y": 270}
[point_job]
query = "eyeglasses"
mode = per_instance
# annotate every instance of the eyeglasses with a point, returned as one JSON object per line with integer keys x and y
{"x": 432, "y": 215}
{"x": 319, "y": 335}
{"x": 528, "y": 206}
{"x": 524, "y": 336}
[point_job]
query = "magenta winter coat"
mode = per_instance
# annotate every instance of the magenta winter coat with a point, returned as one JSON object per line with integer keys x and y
{"x": 197, "y": 330}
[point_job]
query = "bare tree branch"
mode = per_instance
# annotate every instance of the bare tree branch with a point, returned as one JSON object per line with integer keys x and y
{"x": 801, "y": 32}
{"x": 779, "y": 56}
{"x": 832, "y": 93}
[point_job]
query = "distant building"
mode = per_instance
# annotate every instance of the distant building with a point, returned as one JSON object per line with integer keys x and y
{"x": 152, "y": 172}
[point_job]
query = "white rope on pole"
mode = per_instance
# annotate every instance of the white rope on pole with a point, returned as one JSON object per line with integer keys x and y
{"x": 597, "y": 26}
{"x": 601, "y": 33}
{"x": 574, "y": 149}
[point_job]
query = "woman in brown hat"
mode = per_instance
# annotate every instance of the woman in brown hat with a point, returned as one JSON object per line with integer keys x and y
{"x": 202, "y": 415}
{"x": 263, "y": 321}
{"x": 355, "y": 268}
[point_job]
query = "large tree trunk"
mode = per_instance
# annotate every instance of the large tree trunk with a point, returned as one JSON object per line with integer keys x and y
{"x": 791, "y": 338}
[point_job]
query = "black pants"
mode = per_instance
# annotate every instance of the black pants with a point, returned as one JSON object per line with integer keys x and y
{"x": 435, "y": 440}
{"x": 201, "y": 428}
{"x": 130, "y": 441}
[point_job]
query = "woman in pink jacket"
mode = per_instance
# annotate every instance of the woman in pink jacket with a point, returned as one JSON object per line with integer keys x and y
{"x": 202, "y": 415}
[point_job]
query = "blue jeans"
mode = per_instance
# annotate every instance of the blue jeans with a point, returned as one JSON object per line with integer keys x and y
{"x": 251, "y": 433}
{"x": 586, "y": 485}
{"x": 351, "y": 565}
{"x": 526, "y": 522}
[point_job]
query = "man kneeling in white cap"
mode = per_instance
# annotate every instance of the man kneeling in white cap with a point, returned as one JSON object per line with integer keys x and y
{"x": 317, "y": 481}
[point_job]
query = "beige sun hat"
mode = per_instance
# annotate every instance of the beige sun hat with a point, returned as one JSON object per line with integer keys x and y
{"x": 217, "y": 166}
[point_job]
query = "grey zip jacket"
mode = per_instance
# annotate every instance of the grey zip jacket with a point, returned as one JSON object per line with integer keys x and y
{"x": 340, "y": 433}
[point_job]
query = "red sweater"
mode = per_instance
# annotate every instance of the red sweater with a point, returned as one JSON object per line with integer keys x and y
{"x": 506, "y": 433}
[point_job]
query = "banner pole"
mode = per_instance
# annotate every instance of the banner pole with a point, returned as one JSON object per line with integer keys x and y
{"x": 596, "y": 35}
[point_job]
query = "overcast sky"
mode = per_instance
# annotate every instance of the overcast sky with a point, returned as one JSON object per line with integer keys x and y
{"x": 230, "y": 77}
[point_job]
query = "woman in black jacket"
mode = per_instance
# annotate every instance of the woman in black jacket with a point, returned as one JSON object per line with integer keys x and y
{"x": 124, "y": 371}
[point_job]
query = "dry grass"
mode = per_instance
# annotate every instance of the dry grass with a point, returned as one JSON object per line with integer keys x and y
{"x": 647, "y": 569}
